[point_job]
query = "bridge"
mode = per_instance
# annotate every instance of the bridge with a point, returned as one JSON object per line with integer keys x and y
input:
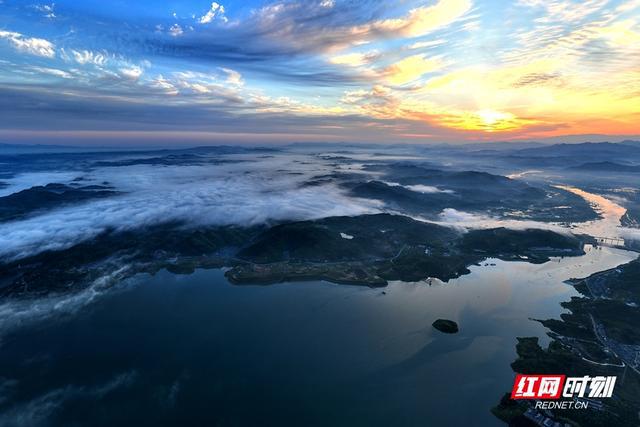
{"x": 615, "y": 242}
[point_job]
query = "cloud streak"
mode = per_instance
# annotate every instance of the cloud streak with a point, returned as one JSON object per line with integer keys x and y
{"x": 38, "y": 411}
{"x": 31, "y": 45}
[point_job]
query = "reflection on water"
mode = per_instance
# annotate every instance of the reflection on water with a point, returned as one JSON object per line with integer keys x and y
{"x": 609, "y": 224}
{"x": 518, "y": 175}
{"x": 195, "y": 349}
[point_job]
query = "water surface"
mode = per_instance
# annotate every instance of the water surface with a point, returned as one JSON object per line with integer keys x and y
{"x": 175, "y": 349}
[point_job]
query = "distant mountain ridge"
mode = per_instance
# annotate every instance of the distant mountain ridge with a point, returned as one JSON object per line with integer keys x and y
{"x": 607, "y": 166}
{"x": 585, "y": 148}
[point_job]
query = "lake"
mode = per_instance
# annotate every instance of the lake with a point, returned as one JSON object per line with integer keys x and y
{"x": 195, "y": 349}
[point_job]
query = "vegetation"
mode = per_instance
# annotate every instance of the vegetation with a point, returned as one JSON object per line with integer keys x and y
{"x": 367, "y": 250}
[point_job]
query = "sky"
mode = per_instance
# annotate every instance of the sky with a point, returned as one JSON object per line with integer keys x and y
{"x": 193, "y": 71}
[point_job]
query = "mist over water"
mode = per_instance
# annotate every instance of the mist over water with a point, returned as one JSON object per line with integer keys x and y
{"x": 242, "y": 189}
{"x": 239, "y": 190}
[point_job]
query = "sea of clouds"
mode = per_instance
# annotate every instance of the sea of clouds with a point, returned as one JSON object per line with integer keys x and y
{"x": 234, "y": 189}
{"x": 244, "y": 192}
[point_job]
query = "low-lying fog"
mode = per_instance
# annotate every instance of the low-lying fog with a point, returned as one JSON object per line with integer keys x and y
{"x": 212, "y": 188}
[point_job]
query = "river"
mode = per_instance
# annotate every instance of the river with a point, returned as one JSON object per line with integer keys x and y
{"x": 609, "y": 223}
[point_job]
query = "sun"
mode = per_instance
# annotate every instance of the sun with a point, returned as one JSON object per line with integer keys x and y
{"x": 486, "y": 120}
{"x": 492, "y": 118}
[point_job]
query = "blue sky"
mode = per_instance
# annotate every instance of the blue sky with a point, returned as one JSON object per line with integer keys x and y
{"x": 416, "y": 71}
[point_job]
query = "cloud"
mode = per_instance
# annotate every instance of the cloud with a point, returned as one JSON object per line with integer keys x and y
{"x": 176, "y": 30}
{"x": 164, "y": 106}
{"x": 220, "y": 89}
{"x": 165, "y": 85}
{"x": 628, "y": 6}
{"x": 410, "y": 69}
{"x": 455, "y": 216}
{"x": 630, "y": 233}
{"x": 54, "y": 72}
{"x": 47, "y": 10}
{"x": 466, "y": 220}
{"x": 233, "y": 77}
{"x": 242, "y": 194}
{"x": 355, "y": 59}
{"x": 104, "y": 65}
{"x": 30, "y": 45}
{"x": 426, "y": 44}
{"x": 621, "y": 34}
{"x": 216, "y": 11}
{"x": 419, "y": 21}
{"x": 564, "y": 10}
{"x": 419, "y": 188}
{"x": 132, "y": 73}
{"x": 271, "y": 39}
{"x": 535, "y": 79}
{"x": 89, "y": 57}
{"x": 379, "y": 102}
{"x": 536, "y": 74}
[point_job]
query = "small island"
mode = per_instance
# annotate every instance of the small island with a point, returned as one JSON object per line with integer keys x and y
{"x": 446, "y": 326}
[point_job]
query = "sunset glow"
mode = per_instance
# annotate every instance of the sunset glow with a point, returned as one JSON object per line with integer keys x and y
{"x": 456, "y": 70}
